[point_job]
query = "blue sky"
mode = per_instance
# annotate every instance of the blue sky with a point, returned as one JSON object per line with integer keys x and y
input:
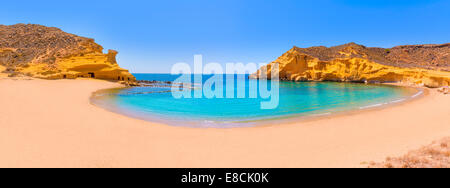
{"x": 151, "y": 36}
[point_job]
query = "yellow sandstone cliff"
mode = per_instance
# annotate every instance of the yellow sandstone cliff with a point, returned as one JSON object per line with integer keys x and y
{"x": 49, "y": 53}
{"x": 92, "y": 65}
{"x": 350, "y": 63}
{"x": 2, "y": 68}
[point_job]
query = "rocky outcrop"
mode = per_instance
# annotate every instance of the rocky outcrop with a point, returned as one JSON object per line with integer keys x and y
{"x": 423, "y": 56}
{"x": 444, "y": 90}
{"x": 356, "y": 63}
{"x": 49, "y": 53}
{"x": 2, "y": 68}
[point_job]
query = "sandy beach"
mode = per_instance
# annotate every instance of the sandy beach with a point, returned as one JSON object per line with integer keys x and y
{"x": 52, "y": 124}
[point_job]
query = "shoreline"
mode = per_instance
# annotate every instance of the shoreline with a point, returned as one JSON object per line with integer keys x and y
{"x": 52, "y": 124}
{"x": 373, "y": 108}
{"x": 285, "y": 119}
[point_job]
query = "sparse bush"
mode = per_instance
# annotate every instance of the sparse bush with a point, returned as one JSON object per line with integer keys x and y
{"x": 13, "y": 75}
{"x": 25, "y": 65}
{"x": 436, "y": 155}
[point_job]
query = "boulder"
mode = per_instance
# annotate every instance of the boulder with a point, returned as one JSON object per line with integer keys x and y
{"x": 444, "y": 90}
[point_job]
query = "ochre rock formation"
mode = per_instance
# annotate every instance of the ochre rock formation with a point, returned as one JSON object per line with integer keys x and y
{"x": 353, "y": 63}
{"x": 49, "y": 53}
{"x": 2, "y": 68}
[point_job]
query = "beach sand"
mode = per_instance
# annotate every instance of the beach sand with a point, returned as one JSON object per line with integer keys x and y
{"x": 52, "y": 124}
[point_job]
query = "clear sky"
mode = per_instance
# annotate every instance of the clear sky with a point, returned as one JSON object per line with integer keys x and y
{"x": 152, "y": 35}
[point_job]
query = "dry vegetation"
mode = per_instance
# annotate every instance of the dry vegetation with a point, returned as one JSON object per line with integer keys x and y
{"x": 436, "y": 155}
{"x": 429, "y": 56}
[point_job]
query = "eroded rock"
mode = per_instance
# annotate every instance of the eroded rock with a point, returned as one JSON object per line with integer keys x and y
{"x": 351, "y": 63}
{"x": 444, "y": 90}
{"x": 50, "y": 53}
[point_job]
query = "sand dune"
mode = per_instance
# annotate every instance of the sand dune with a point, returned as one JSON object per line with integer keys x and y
{"x": 52, "y": 124}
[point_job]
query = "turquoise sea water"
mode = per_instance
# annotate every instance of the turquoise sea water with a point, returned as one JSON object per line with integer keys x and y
{"x": 296, "y": 100}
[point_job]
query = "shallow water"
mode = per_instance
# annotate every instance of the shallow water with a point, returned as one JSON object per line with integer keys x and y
{"x": 296, "y": 99}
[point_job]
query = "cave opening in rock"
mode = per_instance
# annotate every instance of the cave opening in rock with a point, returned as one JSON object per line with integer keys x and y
{"x": 92, "y": 75}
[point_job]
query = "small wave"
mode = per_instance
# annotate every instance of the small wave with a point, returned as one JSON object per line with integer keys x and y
{"x": 324, "y": 114}
{"x": 372, "y": 106}
{"x": 99, "y": 94}
{"x": 142, "y": 93}
{"x": 208, "y": 121}
{"x": 417, "y": 94}
{"x": 398, "y": 101}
